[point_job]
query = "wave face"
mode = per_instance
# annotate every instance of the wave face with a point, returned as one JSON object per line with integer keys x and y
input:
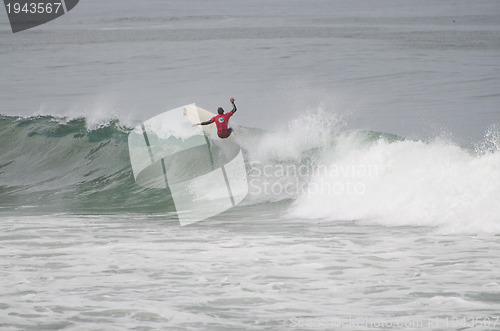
{"x": 324, "y": 172}
{"x": 57, "y": 165}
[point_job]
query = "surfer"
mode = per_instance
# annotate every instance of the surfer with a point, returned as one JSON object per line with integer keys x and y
{"x": 221, "y": 120}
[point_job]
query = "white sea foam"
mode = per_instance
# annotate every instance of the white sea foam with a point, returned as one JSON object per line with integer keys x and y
{"x": 416, "y": 183}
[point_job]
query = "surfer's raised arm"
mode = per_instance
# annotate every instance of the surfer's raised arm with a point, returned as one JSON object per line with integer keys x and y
{"x": 234, "y": 106}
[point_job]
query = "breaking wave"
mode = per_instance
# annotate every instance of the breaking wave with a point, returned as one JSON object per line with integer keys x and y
{"x": 52, "y": 164}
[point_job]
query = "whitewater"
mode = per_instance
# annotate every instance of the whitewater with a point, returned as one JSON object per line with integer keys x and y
{"x": 370, "y": 133}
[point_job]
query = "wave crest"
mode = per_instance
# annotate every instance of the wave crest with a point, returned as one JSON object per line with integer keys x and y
{"x": 57, "y": 164}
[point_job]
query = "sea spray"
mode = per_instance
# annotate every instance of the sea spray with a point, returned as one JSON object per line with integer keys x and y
{"x": 417, "y": 184}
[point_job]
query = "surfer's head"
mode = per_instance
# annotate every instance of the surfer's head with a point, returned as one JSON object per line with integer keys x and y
{"x": 220, "y": 111}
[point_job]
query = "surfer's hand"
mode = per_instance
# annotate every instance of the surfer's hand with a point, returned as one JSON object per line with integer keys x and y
{"x": 195, "y": 124}
{"x": 231, "y": 100}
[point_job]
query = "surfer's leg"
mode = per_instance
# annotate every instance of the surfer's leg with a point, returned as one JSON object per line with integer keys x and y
{"x": 224, "y": 134}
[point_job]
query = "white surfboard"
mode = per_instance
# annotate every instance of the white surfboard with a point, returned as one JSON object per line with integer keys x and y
{"x": 196, "y": 114}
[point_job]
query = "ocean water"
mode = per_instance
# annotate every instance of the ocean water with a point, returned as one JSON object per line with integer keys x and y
{"x": 371, "y": 136}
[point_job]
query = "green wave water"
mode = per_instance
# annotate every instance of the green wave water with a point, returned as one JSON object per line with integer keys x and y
{"x": 58, "y": 165}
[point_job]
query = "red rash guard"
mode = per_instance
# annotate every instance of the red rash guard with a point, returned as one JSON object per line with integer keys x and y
{"x": 222, "y": 121}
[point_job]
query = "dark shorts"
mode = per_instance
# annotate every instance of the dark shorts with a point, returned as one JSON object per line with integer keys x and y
{"x": 224, "y": 133}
